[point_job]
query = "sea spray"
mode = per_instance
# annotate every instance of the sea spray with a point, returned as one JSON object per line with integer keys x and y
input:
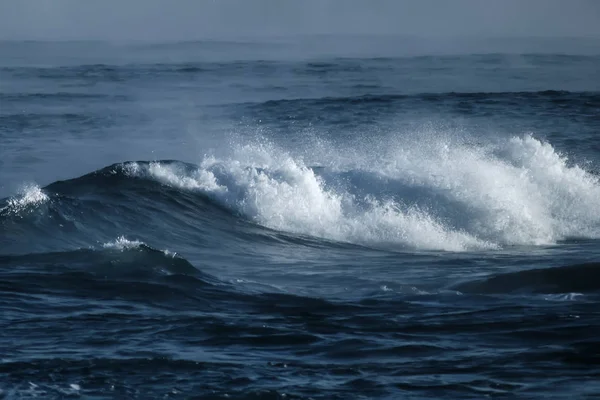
{"x": 29, "y": 196}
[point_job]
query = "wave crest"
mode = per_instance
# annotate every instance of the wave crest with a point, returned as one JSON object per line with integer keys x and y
{"x": 29, "y": 196}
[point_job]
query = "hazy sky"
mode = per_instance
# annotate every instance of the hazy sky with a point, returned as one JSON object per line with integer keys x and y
{"x": 166, "y": 20}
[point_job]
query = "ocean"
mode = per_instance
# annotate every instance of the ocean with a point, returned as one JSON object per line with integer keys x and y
{"x": 313, "y": 218}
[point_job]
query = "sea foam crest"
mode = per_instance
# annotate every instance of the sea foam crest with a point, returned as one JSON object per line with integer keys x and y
{"x": 434, "y": 193}
{"x": 29, "y": 195}
{"x": 122, "y": 243}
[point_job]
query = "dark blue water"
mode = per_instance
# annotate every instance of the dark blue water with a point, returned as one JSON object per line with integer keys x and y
{"x": 300, "y": 219}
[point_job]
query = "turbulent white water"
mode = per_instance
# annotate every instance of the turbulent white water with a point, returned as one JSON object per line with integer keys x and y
{"x": 432, "y": 192}
{"x": 29, "y": 195}
{"x": 122, "y": 243}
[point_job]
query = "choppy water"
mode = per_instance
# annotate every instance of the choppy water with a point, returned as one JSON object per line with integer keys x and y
{"x": 283, "y": 220}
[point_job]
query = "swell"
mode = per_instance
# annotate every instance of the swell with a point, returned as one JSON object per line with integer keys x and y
{"x": 58, "y": 96}
{"x": 359, "y": 112}
{"x": 591, "y": 98}
{"x": 111, "y": 202}
{"x": 129, "y": 279}
{"x": 578, "y": 278}
{"x": 20, "y": 122}
{"x": 322, "y": 66}
{"x": 119, "y": 272}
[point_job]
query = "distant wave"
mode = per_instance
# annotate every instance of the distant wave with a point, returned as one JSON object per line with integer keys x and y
{"x": 20, "y": 121}
{"x": 55, "y": 96}
{"x": 589, "y": 98}
{"x": 580, "y": 101}
{"x": 381, "y": 106}
{"x": 322, "y": 66}
{"x": 120, "y": 258}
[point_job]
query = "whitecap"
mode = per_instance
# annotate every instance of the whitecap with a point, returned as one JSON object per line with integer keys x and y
{"x": 430, "y": 192}
{"x": 29, "y": 196}
{"x": 122, "y": 243}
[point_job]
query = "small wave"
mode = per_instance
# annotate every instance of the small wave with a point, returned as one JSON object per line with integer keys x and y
{"x": 563, "y": 296}
{"x": 57, "y": 96}
{"x": 123, "y": 244}
{"x": 590, "y": 99}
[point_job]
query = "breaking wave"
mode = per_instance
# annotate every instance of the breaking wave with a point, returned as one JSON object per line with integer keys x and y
{"x": 432, "y": 193}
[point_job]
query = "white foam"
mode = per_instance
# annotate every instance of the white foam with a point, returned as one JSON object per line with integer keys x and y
{"x": 121, "y": 243}
{"x": 29, "y": 195}
{"x": 171, "y": 254}
{"x": 563, "y": 297}
{"x": 171, "y": 175}
{"x": 427, "y": 192}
